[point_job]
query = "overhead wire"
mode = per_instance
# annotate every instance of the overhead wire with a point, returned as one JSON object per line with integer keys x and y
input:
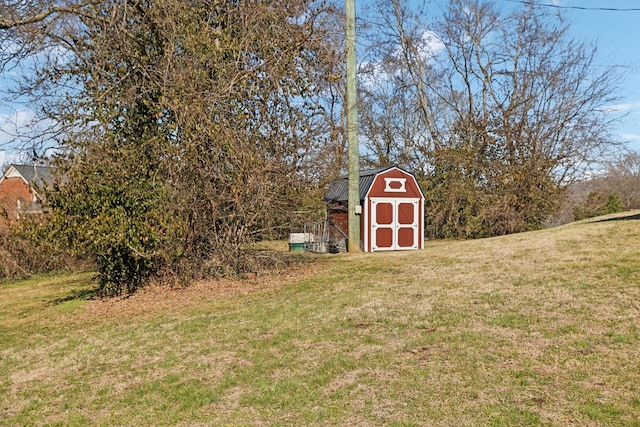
{"x": 557, "y": 6}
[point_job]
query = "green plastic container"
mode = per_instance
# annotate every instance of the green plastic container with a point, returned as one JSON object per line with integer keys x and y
{"x": 296, "y": 247}
{"x": 296, "y": 242}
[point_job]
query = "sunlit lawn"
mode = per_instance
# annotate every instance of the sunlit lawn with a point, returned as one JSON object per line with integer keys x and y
{"x": 538, "y": 328}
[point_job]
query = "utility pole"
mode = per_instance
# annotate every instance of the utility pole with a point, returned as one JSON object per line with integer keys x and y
{"x": 352, "y": 130}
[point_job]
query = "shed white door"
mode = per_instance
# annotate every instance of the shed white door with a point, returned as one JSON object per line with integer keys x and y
{"x": 394, "y": 224}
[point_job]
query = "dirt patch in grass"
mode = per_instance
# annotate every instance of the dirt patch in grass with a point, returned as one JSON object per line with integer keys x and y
{"x": 158, "y": 299}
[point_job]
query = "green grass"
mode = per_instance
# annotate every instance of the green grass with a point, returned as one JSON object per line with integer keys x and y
{"x": 538, "y": 328}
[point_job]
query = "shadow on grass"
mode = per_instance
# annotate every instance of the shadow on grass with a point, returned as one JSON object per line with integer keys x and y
{"x": 82, "y": 295}
{"x": 621, "y": 218}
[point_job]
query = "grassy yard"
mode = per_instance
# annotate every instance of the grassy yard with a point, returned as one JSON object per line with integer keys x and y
{"x": 539, "y": 328}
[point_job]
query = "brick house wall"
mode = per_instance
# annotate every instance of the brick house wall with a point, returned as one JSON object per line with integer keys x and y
{"x": 16, "y": 196}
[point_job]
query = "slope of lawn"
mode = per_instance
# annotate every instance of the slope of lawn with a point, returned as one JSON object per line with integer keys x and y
{"x": 539, "y": 328}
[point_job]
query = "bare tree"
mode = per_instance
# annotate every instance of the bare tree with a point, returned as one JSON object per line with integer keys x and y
{"x": 623, "y": 178}
{"x": 398, "y": 115}
{"x": 512, "y": 106}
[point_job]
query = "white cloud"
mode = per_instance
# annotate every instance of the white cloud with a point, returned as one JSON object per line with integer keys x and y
{"x": 14, "y": 126}
{"x": 23, "y": 133}
{"x": 630, "y": 137}
{"x": 6, "y": 159}
{"x": 371, "y": 72}
{"x": 624, "y": 107}
{"x": 428, "y": 47}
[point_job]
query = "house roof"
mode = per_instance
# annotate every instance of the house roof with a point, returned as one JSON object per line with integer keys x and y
{"x": 339, "y": 190}
{"x": 36, "y": 176}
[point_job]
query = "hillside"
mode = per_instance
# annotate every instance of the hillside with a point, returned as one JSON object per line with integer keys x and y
{"x": 539, "y": 328}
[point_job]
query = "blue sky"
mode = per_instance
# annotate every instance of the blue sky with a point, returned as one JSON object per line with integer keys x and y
{"x": 617, "y": 33}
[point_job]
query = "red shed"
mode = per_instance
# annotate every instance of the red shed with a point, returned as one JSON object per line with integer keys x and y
{"x": 392, "y": 209}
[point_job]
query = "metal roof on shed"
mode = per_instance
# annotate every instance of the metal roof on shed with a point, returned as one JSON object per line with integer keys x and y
{"x": 339, "y": 190}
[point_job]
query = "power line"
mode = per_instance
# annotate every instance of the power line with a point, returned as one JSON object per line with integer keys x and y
{"x": 609, "y": 9}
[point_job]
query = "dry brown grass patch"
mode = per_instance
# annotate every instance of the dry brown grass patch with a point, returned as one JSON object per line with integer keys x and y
{"x": 158, "y": 299}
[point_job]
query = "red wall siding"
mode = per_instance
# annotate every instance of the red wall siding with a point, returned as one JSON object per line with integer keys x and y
{"x": 378, "y": 187}
{"x": 341, "y": 219}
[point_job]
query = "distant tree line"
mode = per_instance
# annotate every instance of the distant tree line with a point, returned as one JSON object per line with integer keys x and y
{"x": 615, "y": 189}
{"x": 185, "y": 131}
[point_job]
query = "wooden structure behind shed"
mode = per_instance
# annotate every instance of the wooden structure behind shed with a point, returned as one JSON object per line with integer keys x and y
{"x": 392, "y": 209}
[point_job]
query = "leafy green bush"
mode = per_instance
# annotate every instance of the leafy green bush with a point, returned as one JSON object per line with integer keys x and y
{"x": 598, "y": 203}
